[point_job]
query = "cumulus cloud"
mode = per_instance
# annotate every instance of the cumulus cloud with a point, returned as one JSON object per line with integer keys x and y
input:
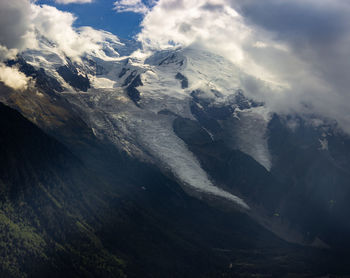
{"x": 57, "y": 27}
{"x": 135, "y": 6}
{"x": 295, "y": 52}
{"x": 73, "y": 1}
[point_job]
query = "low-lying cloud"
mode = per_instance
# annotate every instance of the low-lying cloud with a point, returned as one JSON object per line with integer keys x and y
{"x": 13, "y": 78}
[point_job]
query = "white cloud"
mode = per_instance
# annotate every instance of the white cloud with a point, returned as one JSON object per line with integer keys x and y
{"x": 56, "y": 26}
{"x": 33, "y": 21}
{"x": 26, "y": 22}
{"x": 13, "y": 78}
{"x": 67, "y": 40}
{"x": 135, "y": 6}
{"x": 73, "y": 1}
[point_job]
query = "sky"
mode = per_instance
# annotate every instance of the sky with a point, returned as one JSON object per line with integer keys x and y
{"x": 298, "y": 50}
{"x": 100, "y": 14}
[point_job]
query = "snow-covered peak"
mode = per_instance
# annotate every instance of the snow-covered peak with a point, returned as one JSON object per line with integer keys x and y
{"x": 133, "y": 103}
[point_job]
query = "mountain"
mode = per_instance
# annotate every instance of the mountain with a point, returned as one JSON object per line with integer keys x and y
{"x": 118, "y": 166}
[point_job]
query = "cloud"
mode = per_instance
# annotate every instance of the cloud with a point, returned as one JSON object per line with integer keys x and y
{"x": 13, "y": 78}
{"x": 15, "y": 22}
{"x": 6, "y": 54}
{"x": 57, "y": 27}
{"x": 214, "y": 25}
{"x": 317, "y": 34}
{"x": 73, "y": 1}
{"x": 135, "y": 6}
{"x": 14, "y": 15}
{"x": 37, "y": 27}
{"x": 295, "y": 52}
{"x": 31, "y": 26}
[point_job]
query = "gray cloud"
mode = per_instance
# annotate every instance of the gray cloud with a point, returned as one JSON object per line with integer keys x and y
{"x": 317, "y": 34}
{"x": 15, "y": 21}
{"x": 292, "y": 19}
{"x": 213, "y": 7}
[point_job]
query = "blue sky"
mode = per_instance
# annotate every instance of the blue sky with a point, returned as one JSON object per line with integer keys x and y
{"x": 100, "y": 15}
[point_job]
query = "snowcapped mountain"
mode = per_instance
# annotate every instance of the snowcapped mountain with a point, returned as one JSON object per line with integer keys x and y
{"x": 185, "y": 111}
{"x": 133, "y": 103}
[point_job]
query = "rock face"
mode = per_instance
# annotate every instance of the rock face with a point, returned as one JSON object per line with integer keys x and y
{"x": 183, "y": 79}
{"x": 133, "y": 93}
{"x": 71, "y": 76}
{"x": 42, "y": 80}
{"x": 145, "y": 168}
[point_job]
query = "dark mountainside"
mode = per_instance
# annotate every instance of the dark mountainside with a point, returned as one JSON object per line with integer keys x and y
{"x": 307, "y": 186}
{"x": 46, "y": 201}
{"x": 58, "y": 218}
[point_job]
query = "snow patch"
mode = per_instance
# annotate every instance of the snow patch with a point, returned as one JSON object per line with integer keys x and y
{"x": 250, "y": 134}
{"x": 101, "y": 82}
{"x": 323, "y": 144}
